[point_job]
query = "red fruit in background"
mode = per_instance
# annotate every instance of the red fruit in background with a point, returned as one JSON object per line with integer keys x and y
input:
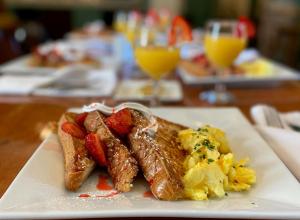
{"x": 250, "y": 27}
{"x": 120, "y": 122}
{"x": 201, "y": 59}
{"x": 73, "y": 129}
{"x": 80, "y": 118}
{"x": 95, "y": 148}
{"x": 179, "y": 23}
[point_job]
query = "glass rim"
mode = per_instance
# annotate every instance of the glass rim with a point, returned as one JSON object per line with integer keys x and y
{"x": 229, "y": 22}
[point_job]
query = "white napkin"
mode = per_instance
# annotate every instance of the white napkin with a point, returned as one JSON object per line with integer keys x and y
{"x": 82, "y": 84}
{"x": 284, "y": 142}
{"x": 21, "y": 84}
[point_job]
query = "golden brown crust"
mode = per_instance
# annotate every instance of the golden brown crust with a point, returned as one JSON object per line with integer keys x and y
{"x": 159, "y": 156}
{"x": 122, "y": 166}
{"x": 78, "y": 164}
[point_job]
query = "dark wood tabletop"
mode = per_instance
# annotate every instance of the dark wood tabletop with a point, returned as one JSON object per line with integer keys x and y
{"x": 22, "y": 117}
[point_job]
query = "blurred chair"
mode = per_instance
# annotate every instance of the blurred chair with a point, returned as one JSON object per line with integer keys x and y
{"x": 29, "y": 35}
{"x": 9, "y": 47}
{"x": 279, "y": 30}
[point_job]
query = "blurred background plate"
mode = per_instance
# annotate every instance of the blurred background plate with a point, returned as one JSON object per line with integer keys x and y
{"x": 273, "y": 73}
{"x": 20, "y": 66}
{"x": 139, "y": 90}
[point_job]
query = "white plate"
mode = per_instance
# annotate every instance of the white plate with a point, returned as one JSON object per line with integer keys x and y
{"x": 76, "y": 82}
{"x": 131, "y": 90}
{"x": 279, "y": 74}
{"x": 38, "y": 190}
{"x": 20, "y": 66}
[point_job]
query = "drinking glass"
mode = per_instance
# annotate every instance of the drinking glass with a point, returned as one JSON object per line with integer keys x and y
{"x": 155, "y": 57}
{"x": 120, "y": 22}
{"x": 223, "y": 42}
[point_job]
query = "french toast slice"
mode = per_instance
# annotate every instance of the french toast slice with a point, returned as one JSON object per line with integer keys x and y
{"x": 122, "y": 166}
{"x": 159, "y": 156}
{"x": 78, "y": 164}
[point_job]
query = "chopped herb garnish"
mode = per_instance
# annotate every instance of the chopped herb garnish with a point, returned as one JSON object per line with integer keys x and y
{"x": 207, "y": 144}
{"x": 197, "y": 146}
{"x": 202, "y": 129}
{"x": 209, "y": 160}
{"x": 202, "y": 156}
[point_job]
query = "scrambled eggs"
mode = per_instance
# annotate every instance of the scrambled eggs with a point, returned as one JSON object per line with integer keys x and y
{"x": 257, "y": 68}
{"x": 210, "y": 166}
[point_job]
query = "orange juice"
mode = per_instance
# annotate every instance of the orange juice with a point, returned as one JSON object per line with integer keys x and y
{"x": 223, "y": 50}
{"x": 157, "y": 61}
{"x": 130, "y": 34}
{"x": 120, "y": 26}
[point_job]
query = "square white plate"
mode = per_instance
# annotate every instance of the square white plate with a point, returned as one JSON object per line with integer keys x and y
{"x": 132, "y": 90}
{"x": 20, "y": 66}
{"x": 38, "y": 190}
{"x": 280, "y": 73}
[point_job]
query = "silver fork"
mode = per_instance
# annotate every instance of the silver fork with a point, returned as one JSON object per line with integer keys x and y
{"x": 272, "y": 117}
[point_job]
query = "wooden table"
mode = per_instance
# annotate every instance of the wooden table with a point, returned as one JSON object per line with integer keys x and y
{"x": 21, "y": 118}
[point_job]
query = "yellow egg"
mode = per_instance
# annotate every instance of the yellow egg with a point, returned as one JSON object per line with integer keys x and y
{"x": 210, "y": 167}
{"x": 204, "y": 178}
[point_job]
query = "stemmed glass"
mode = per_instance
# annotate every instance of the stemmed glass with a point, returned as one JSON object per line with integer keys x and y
{"x": 223, "y": 42}
{"x": 155, "y": 57}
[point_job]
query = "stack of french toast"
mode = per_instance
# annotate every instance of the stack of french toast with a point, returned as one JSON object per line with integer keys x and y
{"x": 122, "y": 144}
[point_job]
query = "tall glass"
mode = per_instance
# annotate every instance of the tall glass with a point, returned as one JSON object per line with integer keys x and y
{"x": 120, "y": 22}
{"x": 155, "y": 57}
{"x": 223, "y": 42}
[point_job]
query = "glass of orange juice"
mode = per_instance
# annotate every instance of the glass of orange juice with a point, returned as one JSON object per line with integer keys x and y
{"x": 223, "y": 42}
{"x": 155, "y": 57}
{"x": 120, "y": 22}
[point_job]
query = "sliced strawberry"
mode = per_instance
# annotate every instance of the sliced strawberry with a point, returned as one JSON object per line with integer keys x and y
{"x": 73, "y": 129}
{"x": 96, "y": 148}
{"x": 120, "y": 122}
{"x": 80, "y": 118}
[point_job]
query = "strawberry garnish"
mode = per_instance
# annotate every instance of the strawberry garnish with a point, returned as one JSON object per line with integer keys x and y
{"x": 96, "y": 149}
{"x": 80, "y": 118}
{"x": 120, "y": 122}
{"x": 73, "y": 129}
